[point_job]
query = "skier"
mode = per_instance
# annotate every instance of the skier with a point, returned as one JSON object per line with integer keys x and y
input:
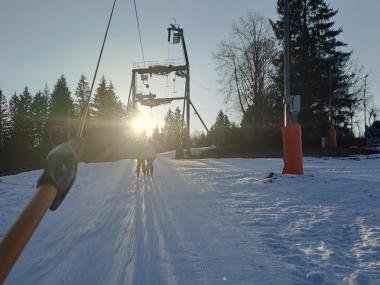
{"x": 141, "y": 152}
{"x": 150, "y": 156}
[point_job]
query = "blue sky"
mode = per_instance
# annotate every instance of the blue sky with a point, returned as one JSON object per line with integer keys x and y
{"x": 41, "y": 39}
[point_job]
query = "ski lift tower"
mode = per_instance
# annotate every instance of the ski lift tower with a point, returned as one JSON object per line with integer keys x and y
{"x": 178, "y": 37}
{"x": 291, "y": 132}
{"x": 175, "y": 36}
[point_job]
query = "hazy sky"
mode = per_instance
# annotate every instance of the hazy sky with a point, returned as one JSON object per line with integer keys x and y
{"x": 41, "y": 39}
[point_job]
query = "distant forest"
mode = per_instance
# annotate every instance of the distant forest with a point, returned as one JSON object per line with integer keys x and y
{"x": 30, "y": 125}
{"x": 250, "y": 68}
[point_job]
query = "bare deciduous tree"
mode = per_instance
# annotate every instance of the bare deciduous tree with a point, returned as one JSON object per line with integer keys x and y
{"x": 245, "y": 66}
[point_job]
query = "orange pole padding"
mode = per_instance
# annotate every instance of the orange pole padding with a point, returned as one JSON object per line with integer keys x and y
{"x": 20, "y": 233}
{"x": 332, "y": 138}
{"x": 292, "y": 149}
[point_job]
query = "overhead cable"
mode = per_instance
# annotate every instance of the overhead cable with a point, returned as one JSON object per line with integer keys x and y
{"x": 87, "y": 107}
{"x": 139, "y": 29}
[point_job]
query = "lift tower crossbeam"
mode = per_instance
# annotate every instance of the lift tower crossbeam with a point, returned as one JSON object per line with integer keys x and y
{"x": 175, "y": 35}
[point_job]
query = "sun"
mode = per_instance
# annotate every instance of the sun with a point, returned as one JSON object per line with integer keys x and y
{"x": 138, "y": 125}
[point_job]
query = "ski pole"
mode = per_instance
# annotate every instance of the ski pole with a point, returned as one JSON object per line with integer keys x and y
{"x": 22, "y": 230}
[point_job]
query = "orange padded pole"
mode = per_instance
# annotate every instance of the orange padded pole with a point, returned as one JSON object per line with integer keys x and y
{"x": 20, "y": 233}
{"x": 332, "y": 138}
{"x": 292, "y": 149}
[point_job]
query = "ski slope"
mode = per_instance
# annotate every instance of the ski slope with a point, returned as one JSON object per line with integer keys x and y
{"x": 210, "y": 221}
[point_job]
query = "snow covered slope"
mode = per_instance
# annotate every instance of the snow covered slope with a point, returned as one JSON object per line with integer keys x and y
{"x": 205, "y": 222}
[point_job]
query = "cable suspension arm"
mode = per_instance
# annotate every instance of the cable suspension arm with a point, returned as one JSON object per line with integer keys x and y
{"x": 129, "y": 96}
{"x": 199, "y": 116}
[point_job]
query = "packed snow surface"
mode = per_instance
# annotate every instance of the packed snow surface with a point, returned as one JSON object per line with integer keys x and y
{"x": 208, "y": 221}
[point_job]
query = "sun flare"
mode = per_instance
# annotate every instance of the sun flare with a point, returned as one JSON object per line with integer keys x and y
{"x": 138, "y": 125}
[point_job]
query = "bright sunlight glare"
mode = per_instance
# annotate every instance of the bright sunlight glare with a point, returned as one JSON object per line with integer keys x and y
{"x": 138, "y": 125}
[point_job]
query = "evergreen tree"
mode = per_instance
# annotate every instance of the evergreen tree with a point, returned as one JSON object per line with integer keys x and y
{"x": 61, "y": 111}
{"x": 219, "y": 132}
{"x": 117, "y": 107}
{"x": 157, "y": 136}
{"x": 26, "y": 100}
{"x": 40, "y": 113}
{"x": 101, "y": 103}
{"x": 221, "y": 121}
{"x": 199, "y": 139}
{"x": 61, "y": 104}
{"x": 4, "y": 120}
{"x": 317, "y": 55}
{"x": 106, "y": 105}
{"x": 13, "y": 112}
{"x": 21, "y": 128}
{"x": 81, "y": 93}
{"x": 172, "y": 130}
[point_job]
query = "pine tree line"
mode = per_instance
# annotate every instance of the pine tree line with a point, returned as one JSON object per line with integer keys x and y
{"x": 321, "y": 66}
{"x": 30, "y": 125}
{"x": 170, "y": 136}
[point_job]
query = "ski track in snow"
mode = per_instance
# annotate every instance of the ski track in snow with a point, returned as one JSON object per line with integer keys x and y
{"x": 208, "y": 221}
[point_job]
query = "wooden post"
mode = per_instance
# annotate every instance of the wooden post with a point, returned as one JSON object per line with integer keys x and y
{"x": 20, "y": 233}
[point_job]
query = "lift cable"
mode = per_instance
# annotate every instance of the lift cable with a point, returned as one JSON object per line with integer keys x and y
{"x": 87, "y": 107}
{"x": 138, "y": 27}
{"x": 175, "y": 11}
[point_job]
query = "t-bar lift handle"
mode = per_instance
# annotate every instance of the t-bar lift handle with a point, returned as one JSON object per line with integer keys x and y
{"x": 52, "y": 187}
